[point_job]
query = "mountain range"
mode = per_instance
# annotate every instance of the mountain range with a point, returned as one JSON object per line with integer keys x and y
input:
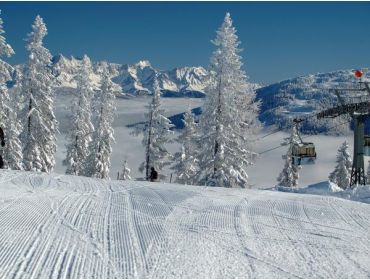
{"x": 280, "y": 102}
{"x": 138, "y": 78}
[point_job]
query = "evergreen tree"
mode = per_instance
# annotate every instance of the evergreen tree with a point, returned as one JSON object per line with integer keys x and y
{"x": 5, "y": 48}
{"x": 126, "y": 171}
{"x": 229, "y": 120}
{"x": 342, "y": 172}
{"x": 289, "y": 175}
{"x": 186, "y": 166}
{"x": 80, "y": 135}
{"x": 101, "y": 146}
{"x": 156, "y": 135}
{"x": 7, "y": 51}
{"x": 40, "y": 125}
{"x": 8, "y": 109}
{"x": 13, "y": 157}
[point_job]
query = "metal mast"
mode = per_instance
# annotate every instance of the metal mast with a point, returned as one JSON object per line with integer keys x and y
{"x": 358, "y": 169}
{"x": 358, "y": 112}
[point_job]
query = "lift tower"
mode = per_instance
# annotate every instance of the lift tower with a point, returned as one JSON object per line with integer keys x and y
{"x": 358, "y": 112}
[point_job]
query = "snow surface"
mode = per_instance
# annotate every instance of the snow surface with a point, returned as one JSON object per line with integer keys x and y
{"x": 75, "y": 227}
{"x": 322, "y": 188}
{"x": 358, "y": 193}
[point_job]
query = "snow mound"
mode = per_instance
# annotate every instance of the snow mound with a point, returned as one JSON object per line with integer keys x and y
{"x": 360, "y": 193}
{"x": 322, "y": 188}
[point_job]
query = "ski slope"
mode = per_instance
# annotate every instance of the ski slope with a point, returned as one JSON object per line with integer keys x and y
{"x": 58, "y": 226}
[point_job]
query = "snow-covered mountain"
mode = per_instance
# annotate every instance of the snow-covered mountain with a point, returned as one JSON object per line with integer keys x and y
{"x": 65, "y": 70}
{"x": 184, "y": 80}
{"x": 282, "y": 101}
{"x": 137, "y": 79}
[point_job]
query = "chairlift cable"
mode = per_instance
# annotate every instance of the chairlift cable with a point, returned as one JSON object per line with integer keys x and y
{"x": 315, "y": 133}
{"x": 303, "y": 117}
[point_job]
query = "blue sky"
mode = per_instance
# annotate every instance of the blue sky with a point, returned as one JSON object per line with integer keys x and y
{"x": 280, "y": 39}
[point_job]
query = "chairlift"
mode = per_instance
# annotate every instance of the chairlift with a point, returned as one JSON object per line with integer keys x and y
{"x": 303, "y": 152}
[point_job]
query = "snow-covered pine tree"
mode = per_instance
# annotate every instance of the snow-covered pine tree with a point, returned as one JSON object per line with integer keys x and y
{"x": 229, "y": 120}
{"x": 98, "y": 164}
{"x": 5, "y": 48}
{"x": 13, "y": 156}
{"x": 126, "y": 171}
{"x": 7, "y": 51}
{"x": 156, "y": 135}
{"x": 186, "y": 166}
{"x": 342, "y": 171}
{"x": 289, "y": 175}
{"x": 80, "y": 135}
{"x": 40, "y": 124}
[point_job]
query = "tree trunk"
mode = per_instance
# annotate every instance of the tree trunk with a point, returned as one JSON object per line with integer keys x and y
{"x": 148, "y": 146}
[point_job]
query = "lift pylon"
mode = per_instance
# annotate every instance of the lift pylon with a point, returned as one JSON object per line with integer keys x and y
{"x": 358, "y": 169}
{"x": 358, "y": 112}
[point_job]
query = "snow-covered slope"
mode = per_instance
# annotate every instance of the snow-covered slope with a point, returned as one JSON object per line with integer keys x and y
{"x": 359, "y": 193}
{"x": 138, "y": 78}
{"x": 76, "y": 227}
{"x": 304, "y": 95}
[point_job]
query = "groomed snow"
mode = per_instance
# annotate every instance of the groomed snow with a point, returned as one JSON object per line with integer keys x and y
{"x": 357, "y": 193}
{"x": 57, "y": 226}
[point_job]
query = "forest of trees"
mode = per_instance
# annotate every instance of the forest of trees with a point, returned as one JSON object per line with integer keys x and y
{"x": 215, "y": 151}
{"x": 28, "y": 117}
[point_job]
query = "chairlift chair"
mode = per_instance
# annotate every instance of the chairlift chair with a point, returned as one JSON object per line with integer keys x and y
{"x": 303, "y": 153}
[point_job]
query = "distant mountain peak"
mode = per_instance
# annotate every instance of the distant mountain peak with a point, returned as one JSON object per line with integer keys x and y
{"x": 143, "y": 64}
